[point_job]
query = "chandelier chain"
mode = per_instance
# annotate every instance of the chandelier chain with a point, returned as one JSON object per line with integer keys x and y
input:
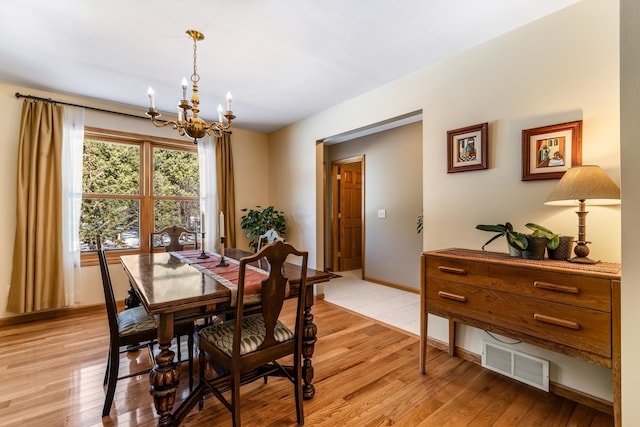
{"x": 195, "y": 77}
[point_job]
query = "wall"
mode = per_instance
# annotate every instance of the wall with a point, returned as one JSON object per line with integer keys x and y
{"x": 629, "y": 137}
{"x": 250, "y": 149}
{"x": 392, "y": 181}
{"x": 561, "y": 68}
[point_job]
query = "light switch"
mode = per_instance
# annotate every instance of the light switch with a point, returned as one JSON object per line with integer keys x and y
{"x": 382, "y": 213}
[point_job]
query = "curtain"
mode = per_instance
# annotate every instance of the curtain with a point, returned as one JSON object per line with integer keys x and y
{"x": 226, "y": 186}
{"x": 208, "y": 191}
{"x": 37, "y": 279}
{"x": 72, "y": 148}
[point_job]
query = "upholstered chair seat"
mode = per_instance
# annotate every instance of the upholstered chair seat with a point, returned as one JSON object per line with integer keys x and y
{"x": 253, "y": 334}
{"x": 135, "y": 320}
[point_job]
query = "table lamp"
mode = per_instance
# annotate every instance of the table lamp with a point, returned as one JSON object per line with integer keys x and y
{"x": 580, "y": 185}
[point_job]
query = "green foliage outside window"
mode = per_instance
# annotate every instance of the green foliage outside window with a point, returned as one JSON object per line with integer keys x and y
{"x": 176, "y": 174}
{"x": 112, "y": 185}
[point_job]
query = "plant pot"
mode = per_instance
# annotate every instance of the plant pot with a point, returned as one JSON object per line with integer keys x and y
{"x": 563, "y": 251}
{"x": 516, "y": 253}
{"x": 535, "y": 247}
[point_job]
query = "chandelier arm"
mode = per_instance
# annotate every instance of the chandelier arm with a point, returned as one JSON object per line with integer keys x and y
{"x": 163, "y": 123}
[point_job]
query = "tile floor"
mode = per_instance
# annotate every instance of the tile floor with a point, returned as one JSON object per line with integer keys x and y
{"x": 388, "y": 305}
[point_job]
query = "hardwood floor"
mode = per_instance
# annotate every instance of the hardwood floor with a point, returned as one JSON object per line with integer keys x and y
{"x": 365, "y": 374}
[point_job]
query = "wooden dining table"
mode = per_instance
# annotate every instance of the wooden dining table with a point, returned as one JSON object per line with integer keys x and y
{"x": 172, "y": 289}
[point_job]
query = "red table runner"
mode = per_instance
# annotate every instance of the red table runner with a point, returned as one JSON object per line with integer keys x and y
{"x": 228, "y": 276}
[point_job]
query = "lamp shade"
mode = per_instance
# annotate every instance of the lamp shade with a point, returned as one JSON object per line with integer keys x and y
{"x": 587, "y": 182}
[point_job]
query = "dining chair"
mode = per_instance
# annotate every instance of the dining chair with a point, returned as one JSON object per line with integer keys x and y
{"x": 248, "y": 347}
{"x": 173, "y": 238}
{"x": 131, "y": 327}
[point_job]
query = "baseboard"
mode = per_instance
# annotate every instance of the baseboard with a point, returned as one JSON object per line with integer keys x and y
{"x": 561, "y": 390}
{"x": 67, "y": 312}
{"x": 393, "y": 285}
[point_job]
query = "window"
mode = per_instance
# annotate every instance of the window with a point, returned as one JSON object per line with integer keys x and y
{"x": 133, "y": 185}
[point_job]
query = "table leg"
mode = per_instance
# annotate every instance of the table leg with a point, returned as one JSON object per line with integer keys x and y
{"x": 310, "y": 331}
{"x": 165, "y": 376}
{"x": 452, "y": 337}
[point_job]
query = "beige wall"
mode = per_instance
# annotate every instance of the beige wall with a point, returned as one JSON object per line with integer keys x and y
{"x": 250, "y": 149}
{"x": 561, "y": 68}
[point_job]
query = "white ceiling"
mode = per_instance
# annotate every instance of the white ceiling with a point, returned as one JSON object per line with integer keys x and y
{"x": 283, "y": 60}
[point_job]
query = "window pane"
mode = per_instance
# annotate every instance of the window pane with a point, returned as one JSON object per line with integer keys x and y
{"x": 110, "y": 168}
{"x": 175, "y": 173}
{"x": 117, "y": 221}
{"x": 183, "y": 213}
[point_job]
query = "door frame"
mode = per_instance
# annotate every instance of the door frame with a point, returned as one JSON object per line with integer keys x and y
{"x": 335, "y": 203}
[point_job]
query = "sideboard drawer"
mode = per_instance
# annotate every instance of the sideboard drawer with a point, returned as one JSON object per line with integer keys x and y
{"x": 574, "y": 289}
{"x": 577, "y": 327}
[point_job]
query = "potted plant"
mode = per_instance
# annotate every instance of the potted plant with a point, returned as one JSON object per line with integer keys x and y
{"x": 516, "y": 241}
{"x": 553, "y": 239}
{"x": 256, "y": 222}
{"x": 558, "y": 247}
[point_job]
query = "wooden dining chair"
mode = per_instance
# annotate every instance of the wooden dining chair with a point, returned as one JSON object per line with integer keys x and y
{"x": 131, "y": 327}
{"x": 173, "y": 238}
{"x": 248, "y": 347}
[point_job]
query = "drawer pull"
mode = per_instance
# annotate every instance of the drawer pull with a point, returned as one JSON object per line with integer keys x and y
{"x": 556, "y": 321}
{"x": 452, "y": 270}
{"x": 451, "y": 296}
{"x": 557, "y": 288}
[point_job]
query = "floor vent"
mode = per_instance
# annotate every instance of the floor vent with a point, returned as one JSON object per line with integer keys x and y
{"x": 520, "y": 366}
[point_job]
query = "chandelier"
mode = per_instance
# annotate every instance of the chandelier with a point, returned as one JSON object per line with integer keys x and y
{"x": 192, "y": 125}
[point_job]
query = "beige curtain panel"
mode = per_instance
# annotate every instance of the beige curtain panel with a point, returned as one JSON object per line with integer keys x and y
{"x": 226, "y": 187}
{"x": 37, "y": 280}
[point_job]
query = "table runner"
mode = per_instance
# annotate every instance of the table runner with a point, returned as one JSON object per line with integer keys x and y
{"x": 601, "y": 267}
{"x": 227, "y": 276}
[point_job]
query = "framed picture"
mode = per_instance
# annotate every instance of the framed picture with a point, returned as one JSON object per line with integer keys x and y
{"x": 547, "y": 152}
{"x": 467, "y": 148}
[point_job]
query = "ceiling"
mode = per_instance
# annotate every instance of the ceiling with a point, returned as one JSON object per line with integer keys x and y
{"x": 283, "y": 60}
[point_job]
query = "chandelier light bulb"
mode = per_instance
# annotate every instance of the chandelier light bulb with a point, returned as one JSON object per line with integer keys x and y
{"x": 229, "y": 98}
{"x": 152, "y": 100}
{"x": 184, "y": 88}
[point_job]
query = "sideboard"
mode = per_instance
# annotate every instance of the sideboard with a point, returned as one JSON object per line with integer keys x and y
{"x": 561, "y": 306}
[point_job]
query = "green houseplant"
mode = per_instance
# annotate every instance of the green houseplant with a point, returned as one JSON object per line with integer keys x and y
{"x": 515, "y": 239}
{"x": 256, "y": 222}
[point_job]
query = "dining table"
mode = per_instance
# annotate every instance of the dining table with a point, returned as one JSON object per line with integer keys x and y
{"x": 191, "y": 285}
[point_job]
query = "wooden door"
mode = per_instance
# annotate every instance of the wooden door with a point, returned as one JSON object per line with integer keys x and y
{"x": 349, "y": 216}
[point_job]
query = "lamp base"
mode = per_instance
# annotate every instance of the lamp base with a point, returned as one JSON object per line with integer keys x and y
{"x": 583, "y": 260}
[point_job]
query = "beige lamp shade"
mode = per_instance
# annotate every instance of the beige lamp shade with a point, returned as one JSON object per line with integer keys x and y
{"x": 584, "y": 183}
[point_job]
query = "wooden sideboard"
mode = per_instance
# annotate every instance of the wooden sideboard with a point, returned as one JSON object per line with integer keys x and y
{"x": 561, "y": 306}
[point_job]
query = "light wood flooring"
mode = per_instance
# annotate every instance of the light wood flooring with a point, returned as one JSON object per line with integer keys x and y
{"x": 366, "y": 374}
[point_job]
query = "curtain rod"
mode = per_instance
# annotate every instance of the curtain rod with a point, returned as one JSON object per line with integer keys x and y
{"x": 37, "y": 98}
